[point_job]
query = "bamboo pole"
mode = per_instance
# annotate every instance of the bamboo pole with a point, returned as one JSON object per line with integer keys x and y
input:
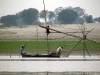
{"x": 46, "y": 26}
{"x": 37, "y": 35}
{"x": 11, "y": 50}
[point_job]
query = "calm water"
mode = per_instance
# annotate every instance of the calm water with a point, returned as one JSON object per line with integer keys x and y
{"x": 52, "y": 73}
{"x": 44, "y": 66}
{"x": 49, "y": 66}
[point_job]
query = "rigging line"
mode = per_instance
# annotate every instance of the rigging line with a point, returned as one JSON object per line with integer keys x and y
{"x": 86, "y": 48}
{"x": 89, "y": 31}
{"x": 94, "y": 49}
{"x": 11, "y": 48}
{"x": 80, "y": 28}
{"x": 70, "y": 51}
{"x": 59, "y": 38}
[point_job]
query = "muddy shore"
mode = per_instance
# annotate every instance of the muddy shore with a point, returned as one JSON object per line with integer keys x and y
{"x": 33, "y": 32}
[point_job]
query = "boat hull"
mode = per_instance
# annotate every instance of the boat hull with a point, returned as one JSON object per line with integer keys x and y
{"x": 41, "y": 55}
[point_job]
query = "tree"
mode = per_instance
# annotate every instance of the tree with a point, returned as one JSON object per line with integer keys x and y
{"x": 97, "y": 19}
{"x": 30, "y": 16}
{"x": 47, "y": 14}
{"x": 79, "y": 20}
{"x": 89, "y": 19}
{"x": 51, "y": 14}
{"x": 57, "y": 10}
{"x": 81, "y": 15}
{"x": 44, "y": 14}
{"x": 9, "y": 20}
{"x": 67, "y": 16}
{"x": 80, "y": 11}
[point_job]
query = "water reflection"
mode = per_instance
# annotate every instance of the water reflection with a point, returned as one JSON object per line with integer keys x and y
{"x": 50, "y": 73}
{"x": 70, "y": 58}
{"x": 47, "y": 66}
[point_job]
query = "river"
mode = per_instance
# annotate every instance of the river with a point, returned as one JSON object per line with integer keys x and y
{"x": 49, "y": 66}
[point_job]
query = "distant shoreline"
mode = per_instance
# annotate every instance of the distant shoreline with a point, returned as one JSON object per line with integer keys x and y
{"x": 31, "y": 33}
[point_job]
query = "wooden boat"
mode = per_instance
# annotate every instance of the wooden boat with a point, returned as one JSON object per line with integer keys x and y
{"x": 54, "y": 55}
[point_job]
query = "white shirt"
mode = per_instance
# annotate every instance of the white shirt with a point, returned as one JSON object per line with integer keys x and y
{"x": 59, "y": 49}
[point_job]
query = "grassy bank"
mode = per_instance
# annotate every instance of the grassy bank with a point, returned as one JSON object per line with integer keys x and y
{"x": 41, "y": 46}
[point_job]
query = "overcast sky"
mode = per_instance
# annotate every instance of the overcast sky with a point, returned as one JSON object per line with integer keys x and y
{"x": 92, "y": 7}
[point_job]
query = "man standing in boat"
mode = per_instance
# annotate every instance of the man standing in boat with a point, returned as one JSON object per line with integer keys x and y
{"x": 22, "y": 49}
{"x": 47, "y": 30}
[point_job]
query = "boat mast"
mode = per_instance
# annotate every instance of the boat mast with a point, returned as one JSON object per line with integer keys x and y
{"x": 37, "y": 35}
{"x": 46, "y": 25}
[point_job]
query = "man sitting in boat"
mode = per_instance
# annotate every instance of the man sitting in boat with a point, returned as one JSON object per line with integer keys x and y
{"x": 58, "y": 52}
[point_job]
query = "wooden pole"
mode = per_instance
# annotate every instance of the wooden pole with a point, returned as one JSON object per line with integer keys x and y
{"x": 46, "y": 26}
{"x": 11, "y": 50}
{"x": 94, "y": 49}
{"x": 84, "y": 37}
{"x": 37, "y": 35}
{"x": 11, "y": 47}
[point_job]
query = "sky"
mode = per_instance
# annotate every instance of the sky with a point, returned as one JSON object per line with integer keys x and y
{"x": 10, "y": 7}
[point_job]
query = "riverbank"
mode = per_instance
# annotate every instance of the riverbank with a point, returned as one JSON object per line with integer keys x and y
{"x": 13, "y": 37}
{"x": 32, "y": 32}
{"x": 33, "y": 47}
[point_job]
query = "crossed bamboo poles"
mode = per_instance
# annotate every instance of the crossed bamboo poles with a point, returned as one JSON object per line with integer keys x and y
{"x": 81, "y": 38}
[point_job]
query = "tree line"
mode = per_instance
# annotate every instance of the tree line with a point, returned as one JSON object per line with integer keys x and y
{"x": 60, "y": 15}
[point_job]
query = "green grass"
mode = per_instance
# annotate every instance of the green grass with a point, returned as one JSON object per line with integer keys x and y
{"x": 41, "y": 46}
